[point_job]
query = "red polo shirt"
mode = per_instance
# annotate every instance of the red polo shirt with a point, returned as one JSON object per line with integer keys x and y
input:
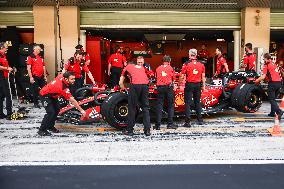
{"x": 117, "y": 60}
{"x": 37, "y": 64}
{"x": 57, "y": 88}
{"x": 4, "y": 63}
{"x": 272, "y": 72}
{"x": 193, "y": 71}
{"x": 76, "y": 68}
{"x": 250, "y": 60}
{"x": 221, "y": 61}
{"x": 136, "y": 74}
{"x": 165, "y": 74}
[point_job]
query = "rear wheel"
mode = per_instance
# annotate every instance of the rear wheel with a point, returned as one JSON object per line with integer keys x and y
{"x": 247, "y": 98}
{"x": 114, "y": 110}
{"x": 83, "y": 93}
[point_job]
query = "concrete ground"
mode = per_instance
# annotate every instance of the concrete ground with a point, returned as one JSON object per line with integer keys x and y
{"x": 226, "y": 137}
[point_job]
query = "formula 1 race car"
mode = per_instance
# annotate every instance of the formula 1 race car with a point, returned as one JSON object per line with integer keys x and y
{"x": 236, "y": 90}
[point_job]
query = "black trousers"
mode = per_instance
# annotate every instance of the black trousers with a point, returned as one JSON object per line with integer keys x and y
{"x": 52, "y": 109}
{"x": 115, "y": 74}
{"x": 77, "y": 84}
{"x": 192, "y": 91}
{"x": 36, "y": 86}
{"x": 273, "y": 91}
{"x": 138, "y": 95}
{"x": 5, "y": 93}
{"x": 165, "y": 92}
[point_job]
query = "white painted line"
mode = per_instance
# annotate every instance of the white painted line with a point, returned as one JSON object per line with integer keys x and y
{"x": 191, "y": 162}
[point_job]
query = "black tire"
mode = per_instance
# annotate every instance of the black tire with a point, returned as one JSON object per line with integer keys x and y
{"x": 100, "y": 101}
{"x": 247, "y": 98}
{"x": 83, "y": 93}
{"x": 114, "y": 110}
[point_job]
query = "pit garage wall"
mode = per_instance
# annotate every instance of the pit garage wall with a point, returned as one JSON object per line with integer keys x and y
{"x": 25, "y": 18}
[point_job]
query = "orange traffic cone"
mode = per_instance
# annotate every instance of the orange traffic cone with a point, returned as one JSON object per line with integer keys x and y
{"x": 275, "y": 131}
{"x": 282, "y": 103}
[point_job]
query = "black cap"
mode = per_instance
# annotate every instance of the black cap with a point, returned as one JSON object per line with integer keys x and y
{"x": 79, "y": 46}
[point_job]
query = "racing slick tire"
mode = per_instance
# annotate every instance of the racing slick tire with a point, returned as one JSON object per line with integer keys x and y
{"x": 247, "y": 98}
{"x": 114, "y": 110}
{"x": 83, "y": 92}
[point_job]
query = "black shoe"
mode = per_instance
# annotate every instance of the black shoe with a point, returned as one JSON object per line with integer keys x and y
{"x": 44, "y": 133}
{"x": 271, "y": 114}
{"x": 128, "y": 133}
{"x": 147, "y": 132}
{"x": 54, "y": 130}
{"x": 36, "y": 106}
{"x": 187, "y": 124}
{"x": 172, "y": 126}
{"x": 200, "y": 122}
{"x": 280, "y": 113}
{"x": 9, "y": 117}
{"x": 2, "y": 116}
{"x": 157, "y": 127}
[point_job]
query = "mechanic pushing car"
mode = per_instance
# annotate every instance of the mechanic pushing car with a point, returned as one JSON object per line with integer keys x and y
{"x": 165, "y": 78}
{"x": 222, "y": 66}
{"x": 5, "y": 92}
{"x": 51, "y": 92}
{"x": 116, "y": 63}
{"x": 138, "y": 94}
{"x": 77, "y": 65}
{"x": 195, "y": 80}
{"x": 249, "y": 58}
{"x": 271, "y": 71}
{"x": 37, "y": 73}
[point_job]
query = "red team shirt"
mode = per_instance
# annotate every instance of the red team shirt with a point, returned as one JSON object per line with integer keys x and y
{"x": 57, "y": 88}
{"x": 221, "y": 61}
{"x": 116, "y": 60}
{"x": 76, "y": 68}
{"x": 272, "y": 72}
{"x": 193, "y": 71}
{"x": 4, "y": 63}
{"x": 165, "y": 74}
{"x": 37, "y": 64}
{"x": 137, "y": 74}
{"x": 249, "y": 60}
{"x": 203, "y": 53}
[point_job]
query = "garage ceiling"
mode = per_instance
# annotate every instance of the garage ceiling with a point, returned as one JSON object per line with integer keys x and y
{"x": 149, "y": 4}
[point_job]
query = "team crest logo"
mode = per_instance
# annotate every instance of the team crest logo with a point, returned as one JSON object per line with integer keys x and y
{"x": 179, "y": 100}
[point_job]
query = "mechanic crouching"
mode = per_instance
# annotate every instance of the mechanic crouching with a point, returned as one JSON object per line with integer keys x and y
{"x": 271, "y": 71}
{"x": 51, "y": 92}
{"x": 165, "y": 78}
{"x": 195, "y": 80}
{"x": 138, "y": 94}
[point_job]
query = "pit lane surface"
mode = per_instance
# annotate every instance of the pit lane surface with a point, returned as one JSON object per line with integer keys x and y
{"x": 227, "y": 136}
{"x": 141, "y": 177}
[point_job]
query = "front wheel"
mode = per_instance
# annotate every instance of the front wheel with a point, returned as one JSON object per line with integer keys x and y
{"x": 114, "y": 110}
{"x": 247, "y": 98}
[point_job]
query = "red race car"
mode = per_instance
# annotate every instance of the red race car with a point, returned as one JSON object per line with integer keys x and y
{"x": 236, "y": 90}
